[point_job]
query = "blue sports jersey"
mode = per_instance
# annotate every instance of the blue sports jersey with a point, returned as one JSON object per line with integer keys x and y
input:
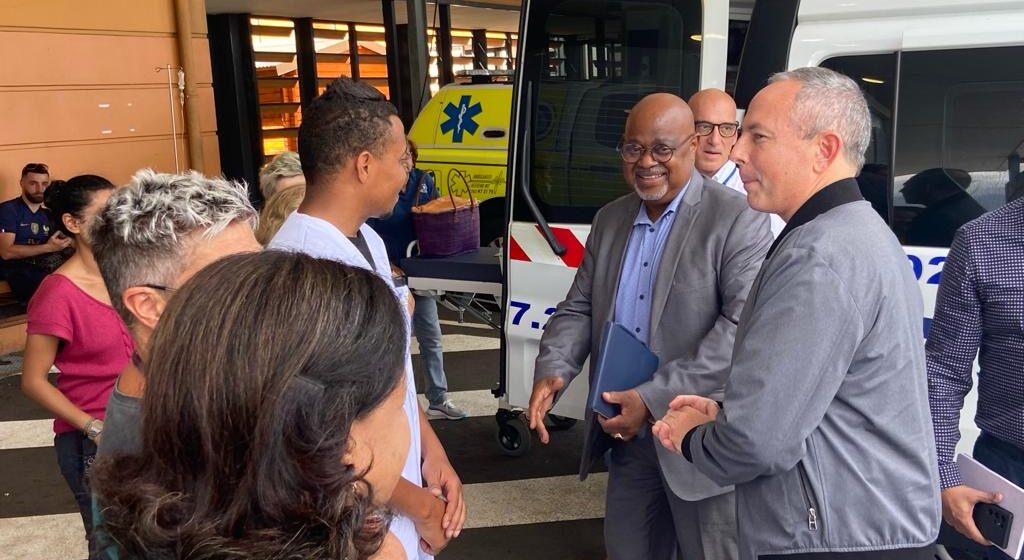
{"x": 28, "y": 227}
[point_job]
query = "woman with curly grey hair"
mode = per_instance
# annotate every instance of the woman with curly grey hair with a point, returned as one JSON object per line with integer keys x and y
{"x": 272, "y": 423}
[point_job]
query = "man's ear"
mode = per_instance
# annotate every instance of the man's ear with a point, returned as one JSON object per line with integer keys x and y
{"x": 145, "y": 304}
{"x": 363, "y": 162}
{"x": 829, "y": 146}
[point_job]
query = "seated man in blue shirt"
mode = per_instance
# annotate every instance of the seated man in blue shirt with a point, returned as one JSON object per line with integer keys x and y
{"x": 28, "y": 249}
{"x": 397, "y": 232}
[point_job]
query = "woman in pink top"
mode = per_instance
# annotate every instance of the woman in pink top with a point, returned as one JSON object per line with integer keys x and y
{"x": 72, "y": 325}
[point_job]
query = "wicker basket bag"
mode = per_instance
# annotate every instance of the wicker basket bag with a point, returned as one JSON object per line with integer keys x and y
{"x": 447, "y": 226}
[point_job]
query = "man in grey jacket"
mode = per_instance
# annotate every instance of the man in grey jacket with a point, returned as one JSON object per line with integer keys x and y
{"x": 825, "y": 427}
{"x": 672, "y": 262}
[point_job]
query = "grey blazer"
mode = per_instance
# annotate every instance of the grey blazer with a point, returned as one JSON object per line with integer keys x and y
{"x": 713, "y": 252}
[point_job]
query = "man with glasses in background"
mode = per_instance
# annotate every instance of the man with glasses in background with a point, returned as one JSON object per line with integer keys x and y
{"x": 672, "y": 262}
{"x": 29, "y": 243}
{"x": 714, "y": 113}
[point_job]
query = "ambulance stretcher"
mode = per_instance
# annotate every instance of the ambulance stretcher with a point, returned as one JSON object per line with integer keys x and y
{"x": 470, "y": 283}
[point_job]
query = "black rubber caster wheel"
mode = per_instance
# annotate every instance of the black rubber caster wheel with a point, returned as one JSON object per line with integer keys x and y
{"x": 513, "y": 434}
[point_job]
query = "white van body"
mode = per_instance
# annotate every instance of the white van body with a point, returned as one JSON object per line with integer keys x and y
{"x": 537, "y": 279}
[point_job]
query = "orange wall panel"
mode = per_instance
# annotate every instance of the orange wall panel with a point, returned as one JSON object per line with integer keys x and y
{"x": 211, "y": 154}
{"x": 59, "y": 59}
{"x": 82, "y": 93}
{"x": 115, "y": 160}
{"x": 94, "y": 114}
{"x": 146, "y": 16}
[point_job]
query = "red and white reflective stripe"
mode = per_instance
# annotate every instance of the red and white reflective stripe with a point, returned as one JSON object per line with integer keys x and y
{"x": 527, "y": 244}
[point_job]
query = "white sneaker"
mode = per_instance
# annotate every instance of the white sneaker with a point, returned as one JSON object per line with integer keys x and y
{"x": 445, "y": 411}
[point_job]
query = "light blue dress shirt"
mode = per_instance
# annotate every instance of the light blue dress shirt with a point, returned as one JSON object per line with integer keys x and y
{"x": 640, "y": 266}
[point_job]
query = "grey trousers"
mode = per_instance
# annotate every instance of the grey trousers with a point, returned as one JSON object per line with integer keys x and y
{"x": 427, "y": 329}
{"x": 644, "y": 520}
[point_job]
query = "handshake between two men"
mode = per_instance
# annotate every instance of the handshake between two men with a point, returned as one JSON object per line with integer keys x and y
{"x": 685, "y": 413}
{"x": 623, "y": 427}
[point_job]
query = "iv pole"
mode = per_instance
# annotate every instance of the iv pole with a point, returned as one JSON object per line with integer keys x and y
{"x": 170, "y": 106}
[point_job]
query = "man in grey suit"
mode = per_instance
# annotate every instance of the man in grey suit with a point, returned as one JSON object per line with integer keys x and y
{"x": 825, "y": 427}
{"x": 672, "y": 262}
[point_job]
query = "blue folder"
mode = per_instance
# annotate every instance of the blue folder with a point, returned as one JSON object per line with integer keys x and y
{"x": 623, "y": 362}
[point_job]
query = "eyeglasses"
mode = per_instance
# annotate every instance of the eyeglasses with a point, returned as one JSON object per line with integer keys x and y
{"x": 35, "y": 168}
{"x": 727, "y": 130}
{"x": 158, "y": 287}
{"x": 633, "y": 153}
{"x": 407, "y": 161}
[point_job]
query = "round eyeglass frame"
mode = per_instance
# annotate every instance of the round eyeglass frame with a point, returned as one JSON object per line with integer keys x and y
{"x": 645, "y": 149}
{"x": 712, "y": 126}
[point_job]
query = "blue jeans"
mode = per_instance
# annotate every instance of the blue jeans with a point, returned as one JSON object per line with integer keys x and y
{"x": 75, "y": 455}
{"x": 427, "y": 328}
{"x": 1005, "y": 459}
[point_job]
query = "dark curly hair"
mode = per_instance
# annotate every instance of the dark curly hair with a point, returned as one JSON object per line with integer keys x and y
{"x": 72, "y": 196}
{"x": 348, "y": 118}
{"x": 258, "y": 368}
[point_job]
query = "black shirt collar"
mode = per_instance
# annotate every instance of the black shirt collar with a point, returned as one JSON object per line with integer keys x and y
{"x": 843, "y": 191}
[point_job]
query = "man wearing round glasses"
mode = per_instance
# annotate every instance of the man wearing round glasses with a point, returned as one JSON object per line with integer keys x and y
{"x": 718, "y": 129}
{"x": 672, "y": 263}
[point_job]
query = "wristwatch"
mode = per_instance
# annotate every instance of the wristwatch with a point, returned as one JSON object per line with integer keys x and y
{"x": 93, "y": 428}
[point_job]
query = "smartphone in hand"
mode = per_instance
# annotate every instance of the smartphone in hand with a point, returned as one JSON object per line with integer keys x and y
{"x": 994, "y": 523}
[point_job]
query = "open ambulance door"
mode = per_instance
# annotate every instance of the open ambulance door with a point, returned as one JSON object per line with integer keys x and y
{"x": 582, "y": 65}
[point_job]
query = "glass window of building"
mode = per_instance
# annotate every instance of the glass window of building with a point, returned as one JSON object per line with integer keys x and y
{"x": 277, "y": 78}
{"x": 334, "y": 42}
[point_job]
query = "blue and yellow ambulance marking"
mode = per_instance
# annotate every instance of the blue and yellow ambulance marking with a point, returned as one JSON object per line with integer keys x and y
{"x": 461, "y": 118}
{"x": 462, "y": 135}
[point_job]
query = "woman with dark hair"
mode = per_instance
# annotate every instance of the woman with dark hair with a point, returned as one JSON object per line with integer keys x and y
{"x": 72, "y": 325}
{"x": 272, "y": 422}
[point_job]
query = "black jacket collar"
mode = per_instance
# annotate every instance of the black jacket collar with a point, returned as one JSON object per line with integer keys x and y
{"x": 843, "y": 191}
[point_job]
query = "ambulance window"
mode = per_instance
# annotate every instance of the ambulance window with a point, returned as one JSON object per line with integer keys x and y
{"x": 959, "y": 140}
{"x": 737, "y": 34}
{"x": 596, "y": 59}
{"x": 876, "y": 76}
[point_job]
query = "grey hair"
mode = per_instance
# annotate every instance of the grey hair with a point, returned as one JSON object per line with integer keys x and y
{"x": 284, "y": 164}
{"x": 146, "y": 230}
{"x": 828, "y": 100}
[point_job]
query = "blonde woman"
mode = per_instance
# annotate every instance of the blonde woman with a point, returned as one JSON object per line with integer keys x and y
{"x": 278, "y": 207}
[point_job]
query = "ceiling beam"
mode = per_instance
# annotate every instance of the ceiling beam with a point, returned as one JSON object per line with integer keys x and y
{"x": 513, "y": 7}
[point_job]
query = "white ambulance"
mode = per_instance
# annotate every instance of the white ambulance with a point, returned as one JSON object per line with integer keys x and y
{"x": 944, "y": 80}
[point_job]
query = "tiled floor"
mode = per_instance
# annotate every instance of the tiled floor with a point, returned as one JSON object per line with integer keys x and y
{"x": 529, "y": 507}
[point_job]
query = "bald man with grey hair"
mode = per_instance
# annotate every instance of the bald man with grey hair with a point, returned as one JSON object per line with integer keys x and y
{"x": 824, "y": 428}
{"x": 671, "y": 262}
{"x": 714, "y": 115}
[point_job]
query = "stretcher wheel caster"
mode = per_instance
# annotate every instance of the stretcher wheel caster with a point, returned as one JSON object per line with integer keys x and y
{"x": 513, "y": 433}
{"x": 560, "y": 423}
